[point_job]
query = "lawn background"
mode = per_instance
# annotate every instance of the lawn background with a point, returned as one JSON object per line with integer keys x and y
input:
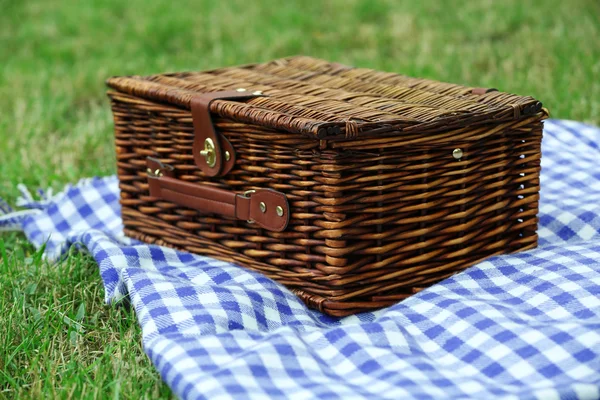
{"x": 57, "y": 338}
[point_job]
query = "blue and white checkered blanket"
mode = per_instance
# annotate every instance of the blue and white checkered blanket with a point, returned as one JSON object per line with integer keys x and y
{"x": 515, "y": 326}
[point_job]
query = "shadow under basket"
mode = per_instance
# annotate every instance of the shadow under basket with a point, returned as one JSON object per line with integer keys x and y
{"x": 352, "y": 187}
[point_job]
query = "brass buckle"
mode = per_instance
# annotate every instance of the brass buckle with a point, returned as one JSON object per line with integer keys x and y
{"x": 247, "y": 194}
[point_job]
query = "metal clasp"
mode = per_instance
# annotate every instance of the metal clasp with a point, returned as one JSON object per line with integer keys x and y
{"x": 247, "y": 194}
{"x": 209, "y": 152}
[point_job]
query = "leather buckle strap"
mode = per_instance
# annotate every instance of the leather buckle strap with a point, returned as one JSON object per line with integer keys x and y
{"x": 267, "y": 208}
{"x": 213, "y": 153}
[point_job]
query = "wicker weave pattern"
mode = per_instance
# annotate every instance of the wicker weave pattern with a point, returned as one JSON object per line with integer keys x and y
{"x": 312, "y": 96}
{"x": 380, "y": 207}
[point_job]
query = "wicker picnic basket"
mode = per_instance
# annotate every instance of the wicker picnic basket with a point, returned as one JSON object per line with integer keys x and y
{"x": 354, "y": 188}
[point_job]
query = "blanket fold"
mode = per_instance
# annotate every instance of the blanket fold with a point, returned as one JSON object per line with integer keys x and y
{"x": 524, "y": 325}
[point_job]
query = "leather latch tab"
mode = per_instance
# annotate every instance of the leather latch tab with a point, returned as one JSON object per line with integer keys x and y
{"x": 213, "y": 153}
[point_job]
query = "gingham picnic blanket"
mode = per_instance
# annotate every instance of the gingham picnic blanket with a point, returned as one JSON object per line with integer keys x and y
{"x": 525, "y": 325}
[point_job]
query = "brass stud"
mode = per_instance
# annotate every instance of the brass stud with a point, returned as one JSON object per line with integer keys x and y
{"x": 263, "y": 206}
{"x": 279, "y": 211}
{"x": 257, "y": 93}
{"x": 156, "y": 172}
{"x": 457, "y": 153}
{"x": 240, "y": 89}
{"x": 227, "y": 156}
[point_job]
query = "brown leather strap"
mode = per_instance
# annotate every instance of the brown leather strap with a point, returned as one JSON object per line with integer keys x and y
{"x": 204, "y": 129}
{"x": 479, "y": 91}
{"x": 268, "y": 208}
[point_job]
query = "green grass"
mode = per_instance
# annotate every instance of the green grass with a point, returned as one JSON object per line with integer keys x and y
{"x": 59, "y": 340}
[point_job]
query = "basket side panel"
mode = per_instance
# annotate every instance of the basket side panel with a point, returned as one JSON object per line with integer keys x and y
{"x": 282, "y": 161}
{"x": 422, "y": 213}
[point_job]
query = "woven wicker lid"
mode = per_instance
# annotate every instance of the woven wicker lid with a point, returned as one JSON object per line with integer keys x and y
{"x": 323, "y": 99}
